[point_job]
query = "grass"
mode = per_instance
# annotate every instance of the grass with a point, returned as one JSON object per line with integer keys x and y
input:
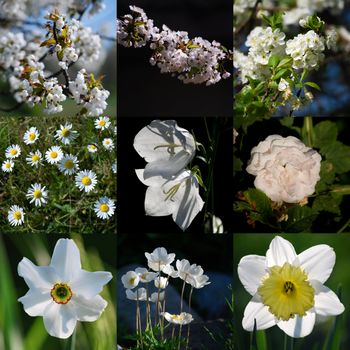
{"x": 68, "y": 209}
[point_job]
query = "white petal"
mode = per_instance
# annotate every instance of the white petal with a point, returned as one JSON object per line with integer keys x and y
{"x": 156, "y": 181}
{"x": 279, "y": 252}
{"x": 327, "y": 302}
{"x": 256, "y": 310}
{"x": 298, "y": 327}
{"x": 88, "y": 310}
{"x": 60, "y": 320}
{"x": 155, "y": 203}
{"x": 35, "y": 302}
{"x": 88, "y": 284}
{"x": 318, "y": 261}
{"x": 251, "y": 269}
{"x": 66, "y": 259}
{"x": 36, "y": 276}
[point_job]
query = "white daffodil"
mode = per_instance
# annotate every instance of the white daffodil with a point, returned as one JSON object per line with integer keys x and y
{"x": 85, "y": 180}
{"x": 34, "y": 158}
{"x": 130, "y": 280}
{"x": 145, "y": 275}
{"x": 7, "y": 166}
{"x": 37, "y": 194}
{"x": 181, "y": 319}
{"x": 166, "y": 148}
{"x": 140, "y": 294}
{"x": 177, "y": 196}
{"x": 159, "y": 259}
{"x": 31, "y": 135}
{"x": 104, "y": 208}
{"x": 161, "y": 282}
{"x": 63, "y": 293}
{"x": 287, "y": 288}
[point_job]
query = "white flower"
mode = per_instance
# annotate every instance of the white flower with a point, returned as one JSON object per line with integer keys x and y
{"x": 31, "y": 135}
{"x": 69, "y": 164}
{"x": 199, "y": 281}
{"x": 140, "y": 294}
{"x": 104, "y": 208}
{"x": 92, "y": 148}
{"x": 130, "y": 280}
{"x": 54, "y": 154}
{"x": 159, "y": 259}
{"x": 34, "y": 158}
{"x": 286, "y": 170}
{"x": 7, "y": 166}
{"x": 108, "y": 143}
{"x": 283, "y": 85}
{"x": 65, "y": 134}
{"x": 181, "y": 319}
{"x": 63, "y": 293}
{"x": 145, "y": 275}
{"x": 102, "y": 123}
{"x": 15, "y": 215}
{"x": 287, "y": 288}
{"x": 13, "y": 151}
{"x": 218, "y": 226}
{"x": 37, "y": 194}
{"x": 154, "y": 298}
{"x": 186, "y": 271}
{"x": 161, "y": 282}
{"x": 85, "y": 180}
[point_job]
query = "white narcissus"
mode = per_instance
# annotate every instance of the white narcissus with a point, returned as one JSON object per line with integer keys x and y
{"x": 63, "y": 293}
{"x": 288, "y": 289}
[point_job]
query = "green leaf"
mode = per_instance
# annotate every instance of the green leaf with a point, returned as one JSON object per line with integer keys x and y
{"x": 328, "y": 202}
{"x": 326, "y": 133}
{"x": 273, "y": 61}
{"x": 286, "y": 62}
{"x": 313, "y": 85}
{"x": 300, "y": 219}
{"x": 280, "y": 73}
{"x": 237, "y": 164}
{"x": 261, "y": 340}
{"x": 327, "y": 175}
{"x": 339, "y": 155}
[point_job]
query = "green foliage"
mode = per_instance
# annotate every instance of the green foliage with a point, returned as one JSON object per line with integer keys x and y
{"x": 275, "y": 21}
{"x": 300, "y": 219}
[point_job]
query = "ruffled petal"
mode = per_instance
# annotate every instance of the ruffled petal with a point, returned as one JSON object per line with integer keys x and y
{"x": 318, "y": 261}
{"x": 299, "y": 327}
{"x": 35, "y": 302}
{"x": 60, "y": 320}
{"x": 251, "y": 269}
{"x": 279, "y": 252}
{"x": 88, "y": 310}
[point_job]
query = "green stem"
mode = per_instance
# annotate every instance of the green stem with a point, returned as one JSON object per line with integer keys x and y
{"x": 344, "y": 226}
{"x": 308, "y": 131}
{"x": 189, "y": 325}
{"x": 73, "y": 340}
{"x": 285, "y": 341}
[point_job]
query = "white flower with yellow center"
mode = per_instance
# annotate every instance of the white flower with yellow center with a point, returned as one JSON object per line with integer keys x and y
{"x": 181, "y": 319}
{"x": 34, "y": 158}
{"x": 69, "y": 164}
{"x": 159, "y": 259}
{"x": 31, "y": 136}
{"x": 7, "y": 166}
{"x": 140, "y": 294}
{"x": 287, "y": 288}
{"x": 13, "y": 151}
{"x": 130, "y": 280}
{"x": 65, "y": 134}
{"x": 145, "y": 275}
{"x": 92, "y": 148}
{"x": 108, "y": 144}
{"x": 102, "y": 123}
{"x": 63, "y": 293}
{"x": 85, "y": 180}
{"x": 15, "y": 215}
{"x": 54, "y": 154}
{"x": 104, "y": 208}
{"x": 37, "y": 194}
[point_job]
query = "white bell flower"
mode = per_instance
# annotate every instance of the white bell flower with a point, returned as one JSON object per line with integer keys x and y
{"x": 63, "y": 293}
{"x": 288, "y": 289}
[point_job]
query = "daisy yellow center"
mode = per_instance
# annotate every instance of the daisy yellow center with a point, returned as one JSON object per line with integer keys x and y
{"x": 287, "y": 292}
{"x": 61, "y": 293}
{"x": 65, "y": 132}
{"x": 32, "y": 136}
{"x": 107, "y": 142}
{"x": 92, "y": 147}
{"x": 86, "y": 181}
{"x": 53, "y": 154}
{"x": 8, "y": 165}
{"x": 37, "y": 194}
{"x": 102, "y": 123}
{"x": 17, "y": 215}
{"x": 35, "y": 158}
{"x": 104, "y": 208}
{"x": 13, "y": 152}
{"x": 69, "y": 164}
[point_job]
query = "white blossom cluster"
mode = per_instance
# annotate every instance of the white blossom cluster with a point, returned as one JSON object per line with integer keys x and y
{"x": 193, "y": 61}
{"x": 242, "y": 6}
{"x": 11, "y": 49}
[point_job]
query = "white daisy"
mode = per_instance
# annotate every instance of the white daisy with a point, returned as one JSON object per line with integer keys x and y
{"x": 92, "y": 148}
{"x": 31, "y": 135}
{"x": 66, "y": 134}
{"x": 108, "y": 143}
{"x": 85, "y": 180}
{"x": 13, "y": 151}
{"x": 104, "y": 208}
{"x": 37, "y": 194}
{"x": 7, "y": 166}
{"x": 102, "y": 123}
{"x": 15, "y": 215}
{"x": 69, "y": 164}
{"x": 34, "y": 158}
{"x": 54, "y": 154}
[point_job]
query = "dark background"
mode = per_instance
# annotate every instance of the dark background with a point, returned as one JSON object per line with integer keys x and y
{"x": 144, "y": 91}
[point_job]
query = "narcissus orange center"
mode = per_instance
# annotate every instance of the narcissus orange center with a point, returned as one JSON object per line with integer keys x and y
{"x": 61, "y": 293}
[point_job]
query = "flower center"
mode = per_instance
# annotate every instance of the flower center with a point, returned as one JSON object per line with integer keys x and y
{"x": 65, "y": 132}
{"x": 17, "y": 215}
{"x": 104, "y": 208}
{"x": 13, "y": 152}
{"x": 8, "y": 165}
{"x": 132, "y": 280}
{"x": 177, "y": 317}
{"x": 86, "y": 181}
{"x": 69, "y": 164}
{"x": 53, "y": 154}
{"x": 102, "y": 123}
{"x": 287, "y": 292}
{"x": 61, "y": 293}
{"x": 32, "y": 136}
{"x": 37, "y": 194}
{"x": 107, "y": 142}
{"x": 35, "y": 158}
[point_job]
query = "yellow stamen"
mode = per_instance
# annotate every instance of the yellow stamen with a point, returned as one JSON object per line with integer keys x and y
{"x": 53, "y": 154}
{"x": 65, "y": 132}
{"x": 35, "y": 158}
{"x": 86, "y": 181}
{"x": 32, "y": 136}
{"x": 37, "y": 194}
{"x": 17, "y": 215}
{"x": 69, "y": 164}
{"x": 13, "y": 152}
{"x": 104, "y": 208}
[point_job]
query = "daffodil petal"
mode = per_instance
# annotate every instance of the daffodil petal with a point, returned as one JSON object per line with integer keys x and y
{"x": 66, "y": 259}
{"x": 36, "y": 276}
{"x": 318, "y": 261}
{"x": 60, "y": 320}
{"x": 35, "y": 302}
{"x": 88, "y": 310}
{"x": 326, "y": 301}
{"x": 279, "y": 252}
{"x": 251, "y": 269}
{"x": 299, "y": 327}
{"x": 88, "y": 284}
{"x": 256, "y": 310}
